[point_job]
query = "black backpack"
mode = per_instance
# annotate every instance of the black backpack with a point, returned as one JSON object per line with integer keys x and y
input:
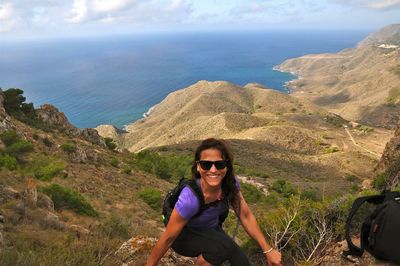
{"x": 380, "y": 231}
{"x": 172, "y": 197}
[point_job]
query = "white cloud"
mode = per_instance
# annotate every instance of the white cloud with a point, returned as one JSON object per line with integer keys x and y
{"x": 6, "y": 11}
{"x": 8, "y": 17}
{"x": 371, "y": 4}
{"x": 79, "y": 11}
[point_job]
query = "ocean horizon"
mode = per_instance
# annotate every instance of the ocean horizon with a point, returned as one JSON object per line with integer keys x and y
{"x": 116, "y": 80}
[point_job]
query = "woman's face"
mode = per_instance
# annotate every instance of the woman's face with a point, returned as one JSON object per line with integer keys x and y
{"x": 213, "y": 177}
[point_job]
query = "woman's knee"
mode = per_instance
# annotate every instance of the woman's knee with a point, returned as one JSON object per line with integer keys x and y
{"x": 201, "y": 261}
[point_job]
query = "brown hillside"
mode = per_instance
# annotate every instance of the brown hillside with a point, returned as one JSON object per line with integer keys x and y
{"x": 361, "y": 84}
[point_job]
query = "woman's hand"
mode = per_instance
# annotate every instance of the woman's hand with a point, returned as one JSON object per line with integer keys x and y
{"x": 274, "y": 258}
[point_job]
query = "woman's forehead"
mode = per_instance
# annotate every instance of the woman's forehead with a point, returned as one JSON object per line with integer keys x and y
{"x": 211, "y": 153}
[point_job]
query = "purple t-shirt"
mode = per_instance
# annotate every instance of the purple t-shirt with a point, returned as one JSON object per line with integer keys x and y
{"x": 188, "y": 206}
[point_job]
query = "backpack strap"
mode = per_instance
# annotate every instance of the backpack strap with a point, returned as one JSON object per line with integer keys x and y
{"x": 353, "y": 249}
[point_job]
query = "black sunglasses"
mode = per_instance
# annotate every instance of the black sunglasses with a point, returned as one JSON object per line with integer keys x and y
{"x": 206, "y": 165}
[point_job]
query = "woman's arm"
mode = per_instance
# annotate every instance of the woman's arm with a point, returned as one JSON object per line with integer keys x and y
{"x": 252, "y": 228}
{"x": 174, "y": 227}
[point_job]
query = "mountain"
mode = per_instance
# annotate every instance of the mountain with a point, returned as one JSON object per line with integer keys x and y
{"x": 360, "y": 84}
{"x": 275, "y": 134}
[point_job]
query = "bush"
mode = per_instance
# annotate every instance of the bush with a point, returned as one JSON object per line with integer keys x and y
{"x": 47, "y": 142}
{"x": 20, "y": 147}
{"x": 335, "y": 120}
{"x": 65, "y": 198}
{"x": 9, "y": 137}
{"x": 152, "y": 197}
{"x": 115, "y": 227}
{"x": 164, "y": 167}
{"x": 8, "y": 162}
{"x": 251, "y": 193}
{"x": 114, "y": 162}
{"x": 110, "y": 143}
{"x": 331, "y": 149}
{"x": 68, "y": 147}
{"x": 285, "y": 188}
{"x": 49, "y": 171}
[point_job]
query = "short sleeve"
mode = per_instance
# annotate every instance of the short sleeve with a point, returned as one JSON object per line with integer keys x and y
{"x": 187, "y": 204}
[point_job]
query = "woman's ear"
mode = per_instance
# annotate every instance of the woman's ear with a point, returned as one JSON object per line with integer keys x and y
{"x": 198, "y": 167}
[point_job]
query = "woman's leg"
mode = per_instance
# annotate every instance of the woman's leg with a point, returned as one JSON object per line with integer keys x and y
{"x": 215, "y": 246}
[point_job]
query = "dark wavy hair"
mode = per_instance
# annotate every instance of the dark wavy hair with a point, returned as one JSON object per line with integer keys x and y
{"x": 229, "y": 188}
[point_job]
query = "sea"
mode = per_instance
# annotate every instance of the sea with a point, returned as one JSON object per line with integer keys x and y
{"x": 117, "y": 79}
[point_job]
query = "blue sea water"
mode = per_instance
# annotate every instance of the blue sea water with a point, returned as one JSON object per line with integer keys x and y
{"x": 114, "y": 80}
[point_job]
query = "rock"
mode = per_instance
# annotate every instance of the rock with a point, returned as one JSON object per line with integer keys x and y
{"x": 53, "y": 117}
{"x": 92, "y": 136}
{"x": 137, "y": 249}
{"x": 389, "y": 163}
{"x": 1, "y": 219}
{"x": 30, "y": 194}
{"x": 5, "y": 120}
{"x": 20, "y": 208}
{"x": 45, "y": 202}
{"x": 7, "y": 193}
{"x": 366, "y": 184}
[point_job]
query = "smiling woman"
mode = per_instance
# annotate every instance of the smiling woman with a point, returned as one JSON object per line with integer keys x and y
{"x": 198, "y": 233}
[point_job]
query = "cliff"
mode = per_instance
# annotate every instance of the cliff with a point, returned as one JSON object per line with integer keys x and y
{"x": 360, "y": 84}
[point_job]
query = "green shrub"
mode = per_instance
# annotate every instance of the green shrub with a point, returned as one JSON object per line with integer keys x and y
{"x": 335, "y": 120}
{"x": 8, "y": 162}
{"x": 127, "y": 170}
{"x": 365, "y": 129}
{"x": 115, "y": 227}
{"x": 9, "y": 137}
{"x": 164, "y": 167}
{"x": 20, "y": 147}
{"x": 251, "y": 193}
{"x": 114, "y": 162}
{"x": 49, "y": 171}
{"x": 110, "y": 143}
{"x": 68, "y": 147}
{"x": 381, "y": 181}
{"x": 285, "y": 188}
{"x": 310, "y": 194}
{"x": 331, "y": 149}
{"x": 152, "y": 197}
{"x": 65, "y": 198}
{"x": 47, "y": 142}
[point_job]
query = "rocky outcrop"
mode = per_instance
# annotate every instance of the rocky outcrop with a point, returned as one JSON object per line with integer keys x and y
{"x": 109, "y": 131}
{"x": 53, "y": 117}
{"x": 389, "y": 163}
{"x": 5, "y": 120}
{"x": 50, "y": 115}
{"x": 136, "y": 250}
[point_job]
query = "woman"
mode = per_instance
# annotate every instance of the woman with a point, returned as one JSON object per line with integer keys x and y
{"x": 200, "y": 235}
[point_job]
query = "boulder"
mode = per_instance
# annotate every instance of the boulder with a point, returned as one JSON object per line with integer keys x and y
{"x": 8, "y": 193}
{"x": 92, "y": 136}
{"x": 136, "y": 250}
{"x": 5, "y": 120}
{"x": 50, "y": 115}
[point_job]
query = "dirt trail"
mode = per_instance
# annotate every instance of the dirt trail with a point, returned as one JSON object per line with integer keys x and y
{"x": 356, "y": 144}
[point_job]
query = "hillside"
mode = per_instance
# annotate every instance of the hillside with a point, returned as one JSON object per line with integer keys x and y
{"x": 66, "y": 197}
{"x": 360, "y": 84}
{"x": 274, "y": 134}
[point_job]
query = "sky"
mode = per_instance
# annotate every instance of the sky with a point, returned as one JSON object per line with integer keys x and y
{"x": 49, "y": 18}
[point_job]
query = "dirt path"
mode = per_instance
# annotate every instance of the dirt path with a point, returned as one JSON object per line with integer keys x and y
{"x": 356, "y": 144}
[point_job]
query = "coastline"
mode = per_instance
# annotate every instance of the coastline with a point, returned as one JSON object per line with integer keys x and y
{"x": 288, "y": 84}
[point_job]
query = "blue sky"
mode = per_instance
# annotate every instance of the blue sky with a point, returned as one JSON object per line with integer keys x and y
{"x": 48, "y": 18}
